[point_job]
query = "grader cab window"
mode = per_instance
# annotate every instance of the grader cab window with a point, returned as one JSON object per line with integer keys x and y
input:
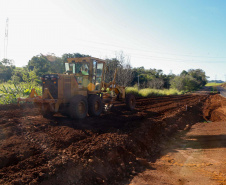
{"x": 66, "y": 67}
{"x": 80, "y": 68}
{"x": 69, "y": 67}
{"x": 94, "y": 67}
{"x": 99, "y": 69}
{"x": 97, "y": 74}
{"x": 82, "y": 74}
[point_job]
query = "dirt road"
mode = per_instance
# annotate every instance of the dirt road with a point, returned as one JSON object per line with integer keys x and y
{"x": 194, "y": 156}
{"x": 197, "y": 156}
{"x": 222, "y": 91}
{"x": 110, "y": 149}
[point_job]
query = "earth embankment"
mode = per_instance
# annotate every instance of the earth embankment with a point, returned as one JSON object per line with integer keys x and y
{"x": 215, "y": 108}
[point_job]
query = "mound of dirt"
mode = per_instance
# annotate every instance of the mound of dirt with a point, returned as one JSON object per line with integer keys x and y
{"x": 215, "y": 108}
{"x": 105, "y": 150}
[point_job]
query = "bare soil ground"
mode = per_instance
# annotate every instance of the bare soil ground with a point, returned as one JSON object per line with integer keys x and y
{"x": 110, "y": 149}
{"x": 194, "y": 156}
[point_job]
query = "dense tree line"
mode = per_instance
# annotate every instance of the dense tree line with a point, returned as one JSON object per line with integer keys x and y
{"x": 126, "y": 75}
{"x": 189, "y": 80}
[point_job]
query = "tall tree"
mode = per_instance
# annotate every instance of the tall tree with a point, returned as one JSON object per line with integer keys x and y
{"x": 124, "y": 71}
{"x": 111, "y": 66}
{"x": 199, "y": 75}
{"x": 188, "y": 81}
{"x": 39, "y": 64}
{"x": 43, "y": 64}
{"x": 56, "y": 63}
{"x": 72, "y": 55}
{"x": 6, "y": 69}
{"x": 121, "y": 63}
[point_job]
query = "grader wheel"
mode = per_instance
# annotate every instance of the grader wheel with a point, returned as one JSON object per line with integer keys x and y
{"x": 78, "y": 107}
{"x": 95, "y": 105}
{"x": 130, "y": 102}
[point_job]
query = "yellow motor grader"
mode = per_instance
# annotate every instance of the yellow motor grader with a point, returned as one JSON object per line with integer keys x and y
{"x": 80, "y": 90}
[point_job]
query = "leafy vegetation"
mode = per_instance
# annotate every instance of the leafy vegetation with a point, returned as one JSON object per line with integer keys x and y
{"x": 214, "y": 89}
{"x": 213, "y": 84}
{"x": 6, "y": 70}
{"x": 20, "y": 80}
{"x": 190, "y": 80}
{"x": 10, "y": 92}
{"x": 215, "y": 81}
{"x": 152, "y": 92}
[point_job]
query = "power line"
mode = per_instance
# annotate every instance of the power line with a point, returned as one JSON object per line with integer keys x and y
{"x": 152, "y": 51}
{"x": 151, "y": 57}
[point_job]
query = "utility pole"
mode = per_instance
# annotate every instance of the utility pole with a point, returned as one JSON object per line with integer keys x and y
{"x": 6, "y": 38}
{"x": 138, "y": 82}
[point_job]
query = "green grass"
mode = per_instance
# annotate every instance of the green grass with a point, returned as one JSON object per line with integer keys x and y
{"x": 213, "y": 84}
{"x": 152, "y": 92}
{"x": 10, "y": 92}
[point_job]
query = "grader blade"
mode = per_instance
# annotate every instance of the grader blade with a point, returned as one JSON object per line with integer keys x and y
{"x": 35, "y": 98}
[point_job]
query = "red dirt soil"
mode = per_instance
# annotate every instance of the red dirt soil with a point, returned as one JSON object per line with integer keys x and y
{"x": 109, "y": 149}
{"x": 192, "y": 156}
{"x": 215, "y": 108}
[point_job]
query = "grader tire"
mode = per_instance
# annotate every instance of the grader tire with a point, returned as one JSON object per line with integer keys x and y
{"x": 78, "y": 107}
{"x": 95, "y": 105}
{"x": 130, "y": 102}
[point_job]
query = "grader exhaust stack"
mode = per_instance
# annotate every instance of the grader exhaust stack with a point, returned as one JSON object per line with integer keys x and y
{"x": 80, "y": 90}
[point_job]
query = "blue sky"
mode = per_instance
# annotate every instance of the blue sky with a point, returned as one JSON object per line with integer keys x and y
{"x": 168, "y": 35}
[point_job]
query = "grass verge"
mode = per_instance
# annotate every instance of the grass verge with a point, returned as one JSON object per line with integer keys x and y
{"x": 213, "y": 84}
{"x": 152, "y": 92}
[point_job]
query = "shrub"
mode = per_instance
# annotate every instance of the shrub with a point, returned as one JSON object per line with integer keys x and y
{"x": 10, "y": 92}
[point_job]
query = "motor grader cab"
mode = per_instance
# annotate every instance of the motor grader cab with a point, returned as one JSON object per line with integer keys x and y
{"x": 80, "y": 90}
